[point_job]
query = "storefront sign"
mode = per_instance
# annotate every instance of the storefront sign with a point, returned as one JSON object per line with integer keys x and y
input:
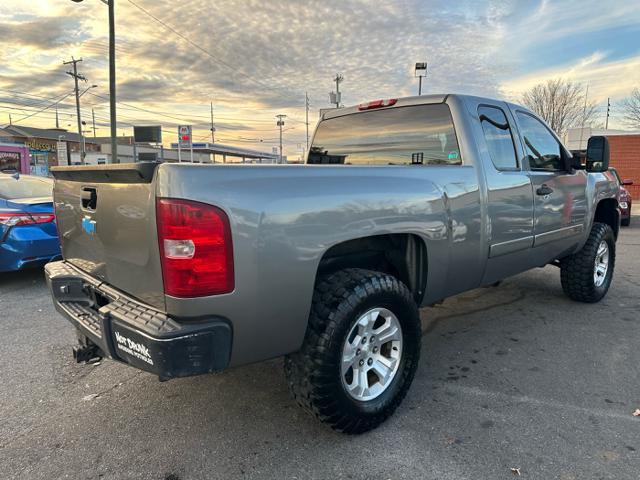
{"x": 184, "y": 136}
{"x": 63, "y": 153}
{"x": 9, "y": 161}
{"x": 36, "y": 145}
{"x": 185, "y": 141}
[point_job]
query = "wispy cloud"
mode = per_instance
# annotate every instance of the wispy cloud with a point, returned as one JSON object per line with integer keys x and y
{"x": 262, "y": 56}
{"x": 606, "y": 78}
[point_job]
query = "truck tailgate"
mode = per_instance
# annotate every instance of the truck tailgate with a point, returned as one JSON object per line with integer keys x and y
{"x": 106, "y": 221}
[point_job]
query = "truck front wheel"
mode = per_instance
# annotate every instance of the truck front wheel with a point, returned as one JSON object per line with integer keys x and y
{"x": 587, "y": 274}
{"x": 360, "y": 352}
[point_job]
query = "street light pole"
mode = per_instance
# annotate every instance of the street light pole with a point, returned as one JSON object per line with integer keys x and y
{"x": 84, "y": 145}
{"x": 420, "y": 71}
{"x": 280, "y": 124}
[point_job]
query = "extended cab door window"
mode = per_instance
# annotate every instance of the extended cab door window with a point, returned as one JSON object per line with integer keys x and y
{"x": 560, "y": 201}
{"x": 497, "y": 134}
{"x": 541, "y": 146}
{"x": 413, "y": 135}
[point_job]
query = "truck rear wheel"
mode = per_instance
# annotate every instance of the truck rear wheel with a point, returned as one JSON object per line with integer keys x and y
{"x": 587, "y": 274}
{"x": 360, "y": 352}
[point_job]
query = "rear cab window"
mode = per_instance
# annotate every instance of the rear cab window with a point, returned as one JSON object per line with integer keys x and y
{"x": 412, "y": 135}
{"x": 498, "y": 137}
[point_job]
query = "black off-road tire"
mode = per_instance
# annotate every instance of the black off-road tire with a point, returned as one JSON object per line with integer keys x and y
{"x": 314, "y": 374}
{"x": 576, "y": 271}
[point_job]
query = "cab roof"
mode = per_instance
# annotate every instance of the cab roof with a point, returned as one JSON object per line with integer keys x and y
{"x": 409, "y": 101}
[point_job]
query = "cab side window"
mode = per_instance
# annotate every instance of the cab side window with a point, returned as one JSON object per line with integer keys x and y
{"x": 543, "y": 149}
{"x": 498, "y": 137}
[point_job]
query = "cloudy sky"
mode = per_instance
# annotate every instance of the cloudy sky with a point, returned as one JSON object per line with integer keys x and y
{"x": 255, "y": 59}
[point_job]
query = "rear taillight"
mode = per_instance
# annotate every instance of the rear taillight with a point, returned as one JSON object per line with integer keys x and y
{"x": 16, "y": 219}
{"x": 195, "y": 248}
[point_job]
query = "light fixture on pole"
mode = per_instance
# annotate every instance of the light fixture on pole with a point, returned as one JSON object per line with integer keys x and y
{"x": 87, "y": 89}
{"x": 420, "y": 72}
{"x": 112, "y": 77}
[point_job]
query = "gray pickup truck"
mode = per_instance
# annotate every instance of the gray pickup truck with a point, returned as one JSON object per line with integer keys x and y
{"x": 183, "y": 269}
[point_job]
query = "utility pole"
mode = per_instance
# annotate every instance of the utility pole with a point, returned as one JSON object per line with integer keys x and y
{"x": 112, "y": 81}
{"x": 57, "y": 121}
{"x": 306, "y": 104}
{"x": 93, "y": 114}
{"x": 280, "y": 124}
{"x": 339, "y": 78}
{"x": 77, "y": 76}
{"x": 606, "y": 124}
{"x": 112, "y": 77}
{"x": 213, "y": 129}
{"x": 10, "y": 121}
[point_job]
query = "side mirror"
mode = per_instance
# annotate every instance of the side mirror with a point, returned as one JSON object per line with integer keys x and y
{"x": 627, "y": 182}
{"x": 598, "y": 154}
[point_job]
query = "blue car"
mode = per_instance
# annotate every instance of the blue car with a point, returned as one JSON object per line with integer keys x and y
{"x": 28, "y": 234}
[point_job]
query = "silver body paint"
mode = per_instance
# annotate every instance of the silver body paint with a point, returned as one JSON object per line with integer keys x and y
{"x": 478, "y": 225}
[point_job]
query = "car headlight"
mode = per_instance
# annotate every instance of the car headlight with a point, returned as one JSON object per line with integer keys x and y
{"x": 624, "y": 205}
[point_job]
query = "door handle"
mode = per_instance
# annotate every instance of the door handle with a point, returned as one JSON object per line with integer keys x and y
{"x": 89, "y": 198}
{"x": 544, "y": 189}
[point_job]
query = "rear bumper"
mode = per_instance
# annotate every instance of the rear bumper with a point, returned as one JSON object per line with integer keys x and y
{"x": 28, "y": 246}
{"x": 130, "y": 332}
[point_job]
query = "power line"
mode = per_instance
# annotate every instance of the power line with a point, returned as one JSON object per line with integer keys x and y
{"x": 122, "y": 121}
{"x": 180, "y": 119}
{"x": 42, "y": 109}
{"x": 86, "y": 111}
{"x": 29, "y": 102}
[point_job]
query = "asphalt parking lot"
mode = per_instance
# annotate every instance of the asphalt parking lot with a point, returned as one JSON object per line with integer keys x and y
{"x": 514, "y": 376}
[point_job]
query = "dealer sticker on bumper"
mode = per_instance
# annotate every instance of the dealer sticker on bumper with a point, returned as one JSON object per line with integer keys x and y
{"x": 133, "y": 348}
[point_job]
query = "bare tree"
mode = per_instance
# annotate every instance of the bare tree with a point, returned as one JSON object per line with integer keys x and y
{"x": 561, "y": 103}
{"x": 631, "y": 108}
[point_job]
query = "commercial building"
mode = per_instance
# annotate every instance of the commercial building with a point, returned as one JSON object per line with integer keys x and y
{"x": 228, "y": 154}
{"x": 14, "y": 157}
{"x": 40, "y": 145}
{"x": 35, "y": 150}
{"x": 130, "y": 153}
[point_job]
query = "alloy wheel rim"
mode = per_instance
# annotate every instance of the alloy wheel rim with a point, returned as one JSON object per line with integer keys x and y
{"x": 601, "y": 264}
{"x": 371, "y": 354}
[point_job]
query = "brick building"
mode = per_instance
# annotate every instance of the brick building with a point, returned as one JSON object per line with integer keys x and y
{"x": 624, "y": 150}
{"x": 624, "y": 153}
